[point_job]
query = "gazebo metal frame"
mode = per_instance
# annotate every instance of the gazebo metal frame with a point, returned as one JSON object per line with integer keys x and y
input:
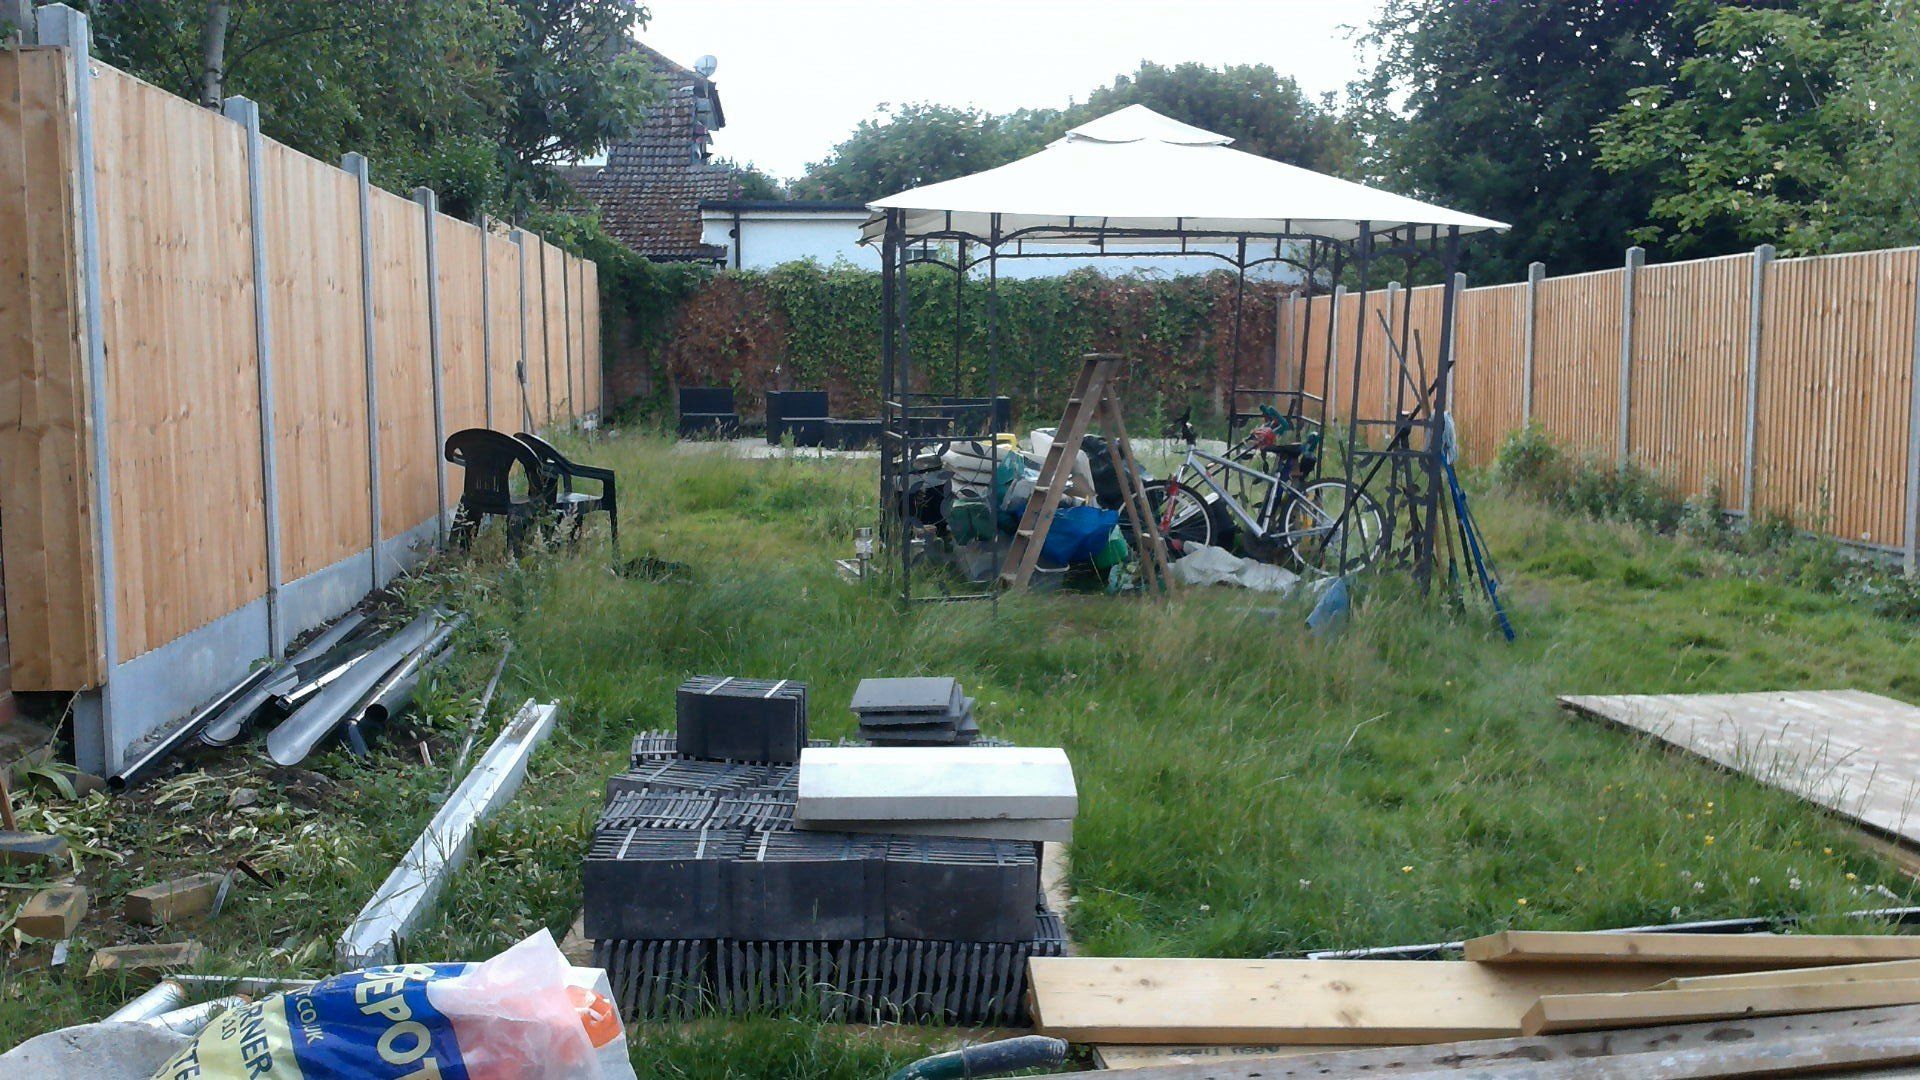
{"x": 1410, "y": 443}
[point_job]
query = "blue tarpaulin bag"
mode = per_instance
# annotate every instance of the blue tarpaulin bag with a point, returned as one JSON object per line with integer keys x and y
{"x": 1078, "y": 534}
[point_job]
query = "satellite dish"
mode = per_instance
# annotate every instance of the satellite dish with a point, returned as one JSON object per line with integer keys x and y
{"x": 706, "y": 65}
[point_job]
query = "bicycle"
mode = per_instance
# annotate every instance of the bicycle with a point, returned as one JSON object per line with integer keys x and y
{"x": 1305, "y": 523}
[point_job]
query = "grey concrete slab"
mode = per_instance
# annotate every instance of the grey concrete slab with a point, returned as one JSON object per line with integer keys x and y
{"x": 898, "y": 783}
{"x": 1050, "y": 830}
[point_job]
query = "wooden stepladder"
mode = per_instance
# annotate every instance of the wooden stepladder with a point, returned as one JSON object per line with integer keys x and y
{"x": 1094, "y": 397}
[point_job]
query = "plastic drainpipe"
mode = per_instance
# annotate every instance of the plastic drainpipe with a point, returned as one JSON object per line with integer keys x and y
{"x": 987, "y": 1059}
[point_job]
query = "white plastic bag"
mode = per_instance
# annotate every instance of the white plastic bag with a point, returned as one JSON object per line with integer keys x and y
{"x": 523, "y": 1015}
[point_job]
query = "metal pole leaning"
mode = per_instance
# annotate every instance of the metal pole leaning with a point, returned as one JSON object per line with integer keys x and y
{"x": 1756, "y": 327}
{"x": 431, "y": 204}
{"x": 96, "y": 744}
{"x": 1636, "y": 258}
{"x": 356, "y": 166}
{"x": 1536, "y": 273}
{"x": 247, "y": 115}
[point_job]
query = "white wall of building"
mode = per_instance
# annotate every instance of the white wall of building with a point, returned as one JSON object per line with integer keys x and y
{"x": 768, "y": 238}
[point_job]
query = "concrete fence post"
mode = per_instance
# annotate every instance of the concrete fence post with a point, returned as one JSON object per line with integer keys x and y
{"x": 1636, "y": 258}
{"x": 486, "y": 316}
{"x": 431, "y": 204}
{"x": 247, "y": 115}
{"x": 1913, "y": 446}
{"x": 16, "y": 16}
{"x": 1756, "y": 305}
{"x": 356, "y": 166}
{"x": 1536, "y": 273}
{"x": 97, "y": 746}
{"x": 566, "y": 336}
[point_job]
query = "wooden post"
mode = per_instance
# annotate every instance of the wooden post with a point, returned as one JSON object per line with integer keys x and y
{"x": 431, "y": 203}
{"x": 1636, "y": 258}
{"x": 356, "y": 166}
{"x": 1757, "y": 295}
{"x": 247, "y": 115}
{"x": 96, "y": 742}
{"x": 1536, "y": 273}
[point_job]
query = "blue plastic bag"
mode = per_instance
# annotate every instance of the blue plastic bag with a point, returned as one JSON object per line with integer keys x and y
{"x": 1077, "y": 534}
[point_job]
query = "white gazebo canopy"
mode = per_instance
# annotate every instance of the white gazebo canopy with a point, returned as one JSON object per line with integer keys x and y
{"x": 1136, "y": 171}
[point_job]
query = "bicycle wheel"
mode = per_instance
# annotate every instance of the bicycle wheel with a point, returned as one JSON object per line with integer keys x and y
{"x": 1313, "y": 524}
{"x": 1194, "y": 520}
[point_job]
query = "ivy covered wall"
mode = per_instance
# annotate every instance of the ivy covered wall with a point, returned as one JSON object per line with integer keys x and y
{"x": 807, "y": 327}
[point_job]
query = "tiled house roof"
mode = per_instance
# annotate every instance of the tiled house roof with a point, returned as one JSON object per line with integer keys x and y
{"x": 649, "y": 191}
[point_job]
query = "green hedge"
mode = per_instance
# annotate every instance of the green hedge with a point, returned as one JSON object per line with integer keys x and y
{"x": 805, "y": 326}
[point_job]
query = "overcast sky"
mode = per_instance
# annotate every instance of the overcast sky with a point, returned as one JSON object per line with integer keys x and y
{"x": 795, "y": 76}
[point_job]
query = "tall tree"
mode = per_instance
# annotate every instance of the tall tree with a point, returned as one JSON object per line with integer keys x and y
{"x": 914, "y": 144}
{"x": 1762, "y": 132}
{"x": 479, "y": 99}
{"x": 1491, "y": 107}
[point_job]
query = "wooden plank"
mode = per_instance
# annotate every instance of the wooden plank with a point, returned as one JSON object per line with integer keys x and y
{"x": 1123, "y": 1057}
{"x": 1557, "y": 1013}
{"x": 1177, "y": 1001}
{"x": 408, "y": 450}
{"x": 1768, "y": 950}
{"x": 1628, "y": 1054}
{"x": 1839, "y": 973}
{"x": 46, "y": 485}
{"x": 1853, "y": 753}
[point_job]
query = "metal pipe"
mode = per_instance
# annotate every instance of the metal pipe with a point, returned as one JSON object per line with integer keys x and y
{"x": 180, "y": 736}
{"x": 988, "y": 1059}
{"x": 232, "y": 721}
{"x": 245, "y": 984}
{"x": 322, "y": 675}
{"x": 163, "y": 997}
{"x": 396, "y": 689}
{"x": 479, "y": 717}
{"x": 195, "y": 1019}
{"x": 295, "y": 737}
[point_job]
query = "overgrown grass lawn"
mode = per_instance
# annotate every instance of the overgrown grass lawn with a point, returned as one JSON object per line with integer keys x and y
{"x": 1246, "y": 788}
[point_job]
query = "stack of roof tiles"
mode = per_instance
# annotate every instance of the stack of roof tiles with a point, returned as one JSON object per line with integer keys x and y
{"x": 701, "y": 894}
{"x": 915, "y": 712}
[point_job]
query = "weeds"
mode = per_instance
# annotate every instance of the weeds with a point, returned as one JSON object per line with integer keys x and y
{"x": 1769, "y": 545}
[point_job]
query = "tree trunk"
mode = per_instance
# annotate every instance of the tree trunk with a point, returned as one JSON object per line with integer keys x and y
{"x": 213, "y": 54}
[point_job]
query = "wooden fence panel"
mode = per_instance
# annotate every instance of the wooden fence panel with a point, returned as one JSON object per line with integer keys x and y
{"x": 319, "y": 359}
{"x": 1490, "y": 369}
{"x": 1687, "y": 407}
{"x": 403, "y": 351}
{"x": 503, "y": 316}
{"x": 1315, "y": 317}
{"x": 1576, "y": 366}
{"x": 559, "y": 358}
{"x": 1835, "y": 390}
{"x": 463, "y": 371}
{"x": 52, "y": 624}
{"x": 183, "y": 384}
{"x": 539, "y": 342}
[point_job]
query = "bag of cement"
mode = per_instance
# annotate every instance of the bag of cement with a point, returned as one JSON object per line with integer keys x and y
{"x": 526, "y": 1014}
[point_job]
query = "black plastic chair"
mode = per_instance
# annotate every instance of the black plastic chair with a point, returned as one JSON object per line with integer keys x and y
{"x": 573, "y": 506}
{"x": 487, "y": 458}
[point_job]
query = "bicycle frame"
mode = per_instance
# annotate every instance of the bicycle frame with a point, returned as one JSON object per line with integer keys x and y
{"x": 1277, "y": 488}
